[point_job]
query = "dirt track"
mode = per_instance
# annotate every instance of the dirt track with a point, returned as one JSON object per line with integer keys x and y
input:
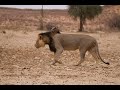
{"x": 21, "y": 63}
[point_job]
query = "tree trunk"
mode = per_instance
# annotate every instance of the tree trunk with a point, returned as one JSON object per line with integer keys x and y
{"x": 41, "y": 20}
{"x": 81, "y": 24}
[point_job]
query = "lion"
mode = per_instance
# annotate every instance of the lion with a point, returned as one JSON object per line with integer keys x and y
{"x": 59, "y": 42}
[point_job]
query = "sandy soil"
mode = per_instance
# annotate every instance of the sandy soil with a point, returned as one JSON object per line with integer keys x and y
{"x": 22, "y": 64}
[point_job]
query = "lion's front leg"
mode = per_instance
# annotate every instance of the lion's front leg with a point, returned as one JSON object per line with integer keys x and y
{"x": 56, "y": 57}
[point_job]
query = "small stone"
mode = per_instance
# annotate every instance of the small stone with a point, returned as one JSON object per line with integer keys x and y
{"x": 14, "y": 57}
{"x": 36, "y": 58}
{"x": 4, "y": 32}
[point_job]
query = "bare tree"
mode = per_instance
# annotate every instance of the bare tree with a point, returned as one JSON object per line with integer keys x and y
{"x": 41, "y": 19}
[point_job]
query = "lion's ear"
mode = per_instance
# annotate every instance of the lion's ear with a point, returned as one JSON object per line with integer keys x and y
{"x": 40, "y": 37}
{"x": 55, "y": 30}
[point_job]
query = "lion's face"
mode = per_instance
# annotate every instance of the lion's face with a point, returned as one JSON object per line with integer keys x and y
{"x": 39, "y": 43}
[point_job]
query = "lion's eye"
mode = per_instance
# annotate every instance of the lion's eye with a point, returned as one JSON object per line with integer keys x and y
{"x": 40, "y": 37}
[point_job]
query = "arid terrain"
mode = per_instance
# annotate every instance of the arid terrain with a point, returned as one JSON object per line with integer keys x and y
{"x": 22, "y": 64}
{"x": 29, "y": 20}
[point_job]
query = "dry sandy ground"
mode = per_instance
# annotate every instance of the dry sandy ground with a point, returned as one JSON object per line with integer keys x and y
{"x": 22, "y": 64}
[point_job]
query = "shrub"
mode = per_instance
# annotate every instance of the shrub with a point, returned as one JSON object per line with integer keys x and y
{"x": 114, "y": 22}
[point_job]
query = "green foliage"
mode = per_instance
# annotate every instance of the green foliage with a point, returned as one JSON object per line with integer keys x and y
{"x": 84, "y": 12}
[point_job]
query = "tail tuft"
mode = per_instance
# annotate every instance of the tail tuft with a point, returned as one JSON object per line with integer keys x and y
{"x": 107, "y": 63}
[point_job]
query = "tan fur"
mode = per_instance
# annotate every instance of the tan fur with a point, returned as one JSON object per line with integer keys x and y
{"x": 58, "y": 42}
{"x": 39, "y": 42}
{"x": 72, "y": 42}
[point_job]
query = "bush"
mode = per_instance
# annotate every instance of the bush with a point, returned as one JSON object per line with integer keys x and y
{"x": 114, "y": 22}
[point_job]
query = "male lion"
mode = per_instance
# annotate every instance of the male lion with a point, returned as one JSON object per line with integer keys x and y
{"x": 59, "y": 42}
